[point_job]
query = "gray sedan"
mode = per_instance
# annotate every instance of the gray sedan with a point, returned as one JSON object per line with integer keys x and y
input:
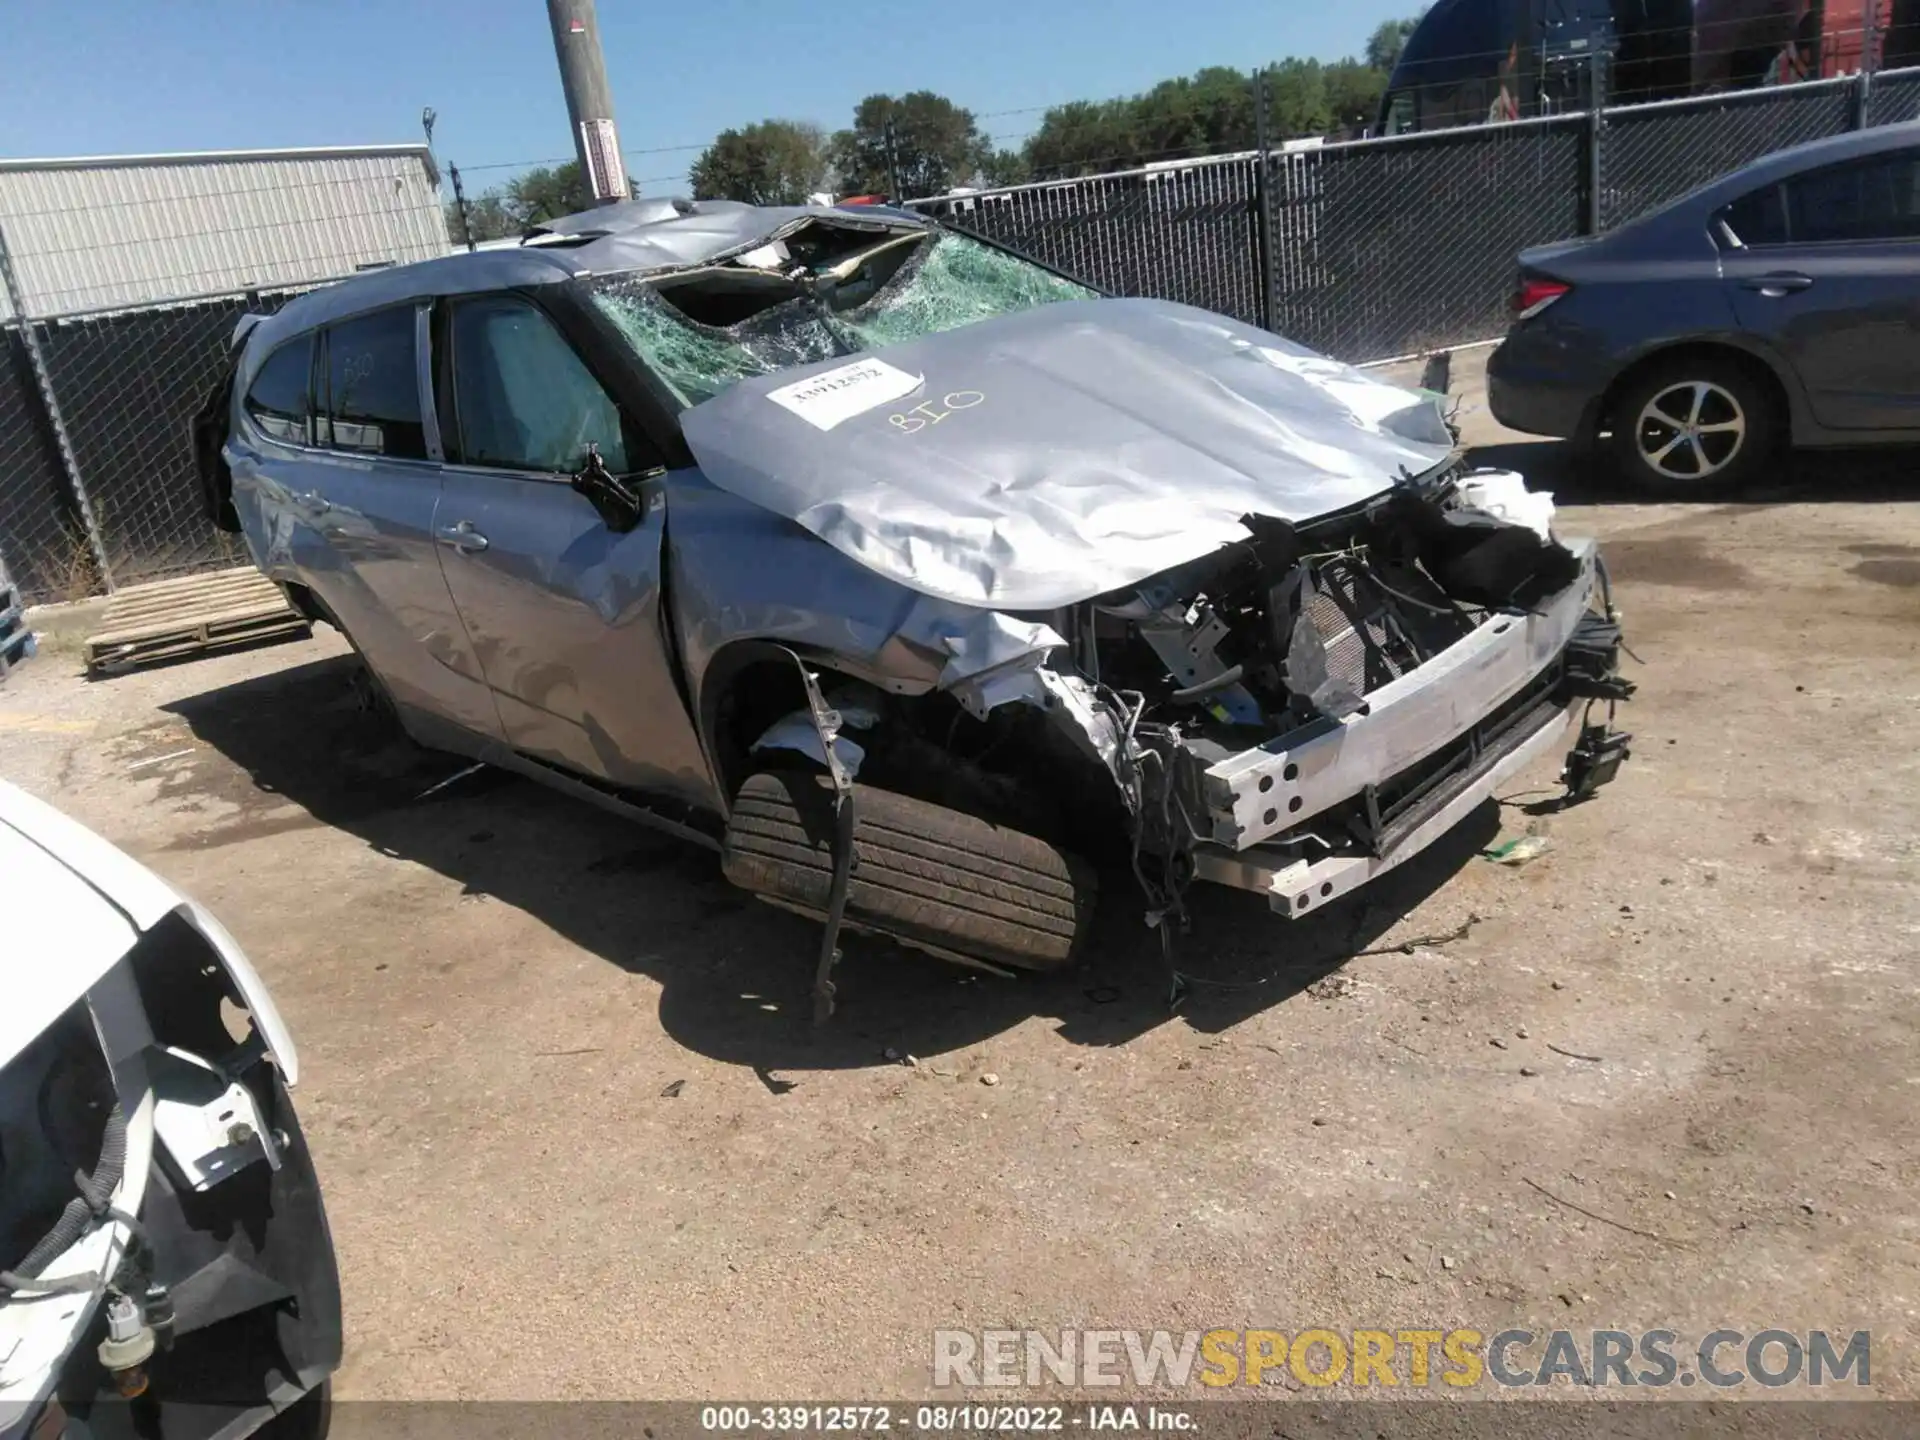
{"x": 1780, "y": 303}
{"x": 921, "y": 581}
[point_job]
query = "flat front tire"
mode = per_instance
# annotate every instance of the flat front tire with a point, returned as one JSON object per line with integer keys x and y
{"x": 922, "y": 873}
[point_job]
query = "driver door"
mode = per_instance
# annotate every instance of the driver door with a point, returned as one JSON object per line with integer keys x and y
{"x": 564, "y": 613}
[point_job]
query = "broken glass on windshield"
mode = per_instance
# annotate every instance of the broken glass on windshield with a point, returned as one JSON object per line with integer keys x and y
{"x": 703, "y": 331}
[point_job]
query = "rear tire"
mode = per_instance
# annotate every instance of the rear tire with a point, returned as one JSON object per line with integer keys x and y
{"x": 1695, "y": 427}
{"x": 922, "y": 873}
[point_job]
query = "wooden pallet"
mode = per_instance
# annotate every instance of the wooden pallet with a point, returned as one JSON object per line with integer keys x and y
{"x": 167, "y": 619}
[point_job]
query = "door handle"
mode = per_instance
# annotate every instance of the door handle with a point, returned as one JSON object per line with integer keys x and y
{"x": 1783, "y": 283}
{"x": 462, "y": 537}
{"x": 314, "y": 501}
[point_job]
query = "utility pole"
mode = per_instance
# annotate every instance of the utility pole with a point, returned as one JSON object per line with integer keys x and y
{"x": 893, "y": 160}
{"x": 583, "y": 76}
{"x": 460, "y": 202}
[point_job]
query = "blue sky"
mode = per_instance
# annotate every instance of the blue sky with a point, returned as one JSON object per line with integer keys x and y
{"x": 115, "y": 76}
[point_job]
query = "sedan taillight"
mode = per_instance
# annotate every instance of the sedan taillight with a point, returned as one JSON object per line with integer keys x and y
{"x": 1535, "y": 294}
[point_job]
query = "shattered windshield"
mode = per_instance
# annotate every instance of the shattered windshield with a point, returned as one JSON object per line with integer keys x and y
{"x": 791, "y": 303}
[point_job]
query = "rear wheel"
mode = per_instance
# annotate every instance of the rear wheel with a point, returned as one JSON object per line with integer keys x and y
{"x": 1695, "y": 426}
{"x": 922, "y": 873}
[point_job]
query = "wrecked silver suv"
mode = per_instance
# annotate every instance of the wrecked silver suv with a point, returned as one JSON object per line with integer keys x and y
{"x": 920, "y": 580}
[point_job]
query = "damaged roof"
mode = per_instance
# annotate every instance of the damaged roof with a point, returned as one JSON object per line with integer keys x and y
{"x": 637, "y": 235}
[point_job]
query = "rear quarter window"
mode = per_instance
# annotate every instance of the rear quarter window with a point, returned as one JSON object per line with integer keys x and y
{"x": 278, "y": 400}
{"x": 1759, "y": 218}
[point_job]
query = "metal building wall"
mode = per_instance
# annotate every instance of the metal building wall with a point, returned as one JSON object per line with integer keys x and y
{"x": 128, "y": 231}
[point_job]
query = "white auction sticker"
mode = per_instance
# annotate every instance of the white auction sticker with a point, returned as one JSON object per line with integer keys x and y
{"x": 824, "y": 400}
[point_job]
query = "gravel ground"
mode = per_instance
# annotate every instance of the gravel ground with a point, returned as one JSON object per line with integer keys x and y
{"x": 495, "y": 988}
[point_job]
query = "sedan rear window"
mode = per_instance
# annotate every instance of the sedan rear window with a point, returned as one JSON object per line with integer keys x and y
{"x": 702, "y": 331}
{"x": 1875, "y": 199}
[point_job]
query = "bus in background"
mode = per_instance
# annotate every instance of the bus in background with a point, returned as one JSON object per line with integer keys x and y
{"x": 1475, "y": 62}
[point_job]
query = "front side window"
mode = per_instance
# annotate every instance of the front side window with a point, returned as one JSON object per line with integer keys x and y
{"x": 372, "y": 400}
{"x": 277, "y": 402}
{"x": 1877, "y": 199}
{"x": 703, "y": 331}
{"x": 523, "y": 398}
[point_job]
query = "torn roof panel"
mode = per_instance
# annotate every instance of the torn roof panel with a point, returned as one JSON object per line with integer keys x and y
{"x": 638, "y": 237}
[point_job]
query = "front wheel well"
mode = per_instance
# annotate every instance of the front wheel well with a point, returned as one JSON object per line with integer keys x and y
{"x": 1758, "y": 370}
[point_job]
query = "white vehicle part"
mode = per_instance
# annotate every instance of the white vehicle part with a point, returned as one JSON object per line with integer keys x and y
{"x": 992, "y": 644}
{"x": 1293, "y": 887}
{"x": 797, "y": 732}
{"x": 1505, "y": 496}
{"x": 1260, "y": 793}
{"x": 105, "y": 901}
{"x": 38, "y": 1331}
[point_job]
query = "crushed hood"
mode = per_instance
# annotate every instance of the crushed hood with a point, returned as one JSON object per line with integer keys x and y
{"x": 1044, "y": 457}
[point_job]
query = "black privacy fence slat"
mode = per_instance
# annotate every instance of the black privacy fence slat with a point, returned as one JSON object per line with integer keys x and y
{"x": 1179, "y": 232}
{"x": 128, "y": 384}
{"x": 1651, "y": 154}
{"x": 128, "y": 425}
{"x": 1895, "y": 99}
{"x": 42, "y": 544}
{"x": 1391, "y": 247}
{"x": 1374, "y": 249}
{"x": 1366, "y": 250}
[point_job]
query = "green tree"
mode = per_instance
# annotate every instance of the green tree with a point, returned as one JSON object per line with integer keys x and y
{"x": 547, "y": 193}
{"x": 1005, "y": 167}
{"x": 936, "y": 146}
{"x": 541, "y": 194}
{"x": 487, "y": 219}
{"x": 1300, "y": 105}
{"x": 1080, "y": 138}
{"x": 775, "y": 162}
{"x": 1388, "y": 40}
{"x": 1354, "y": 91}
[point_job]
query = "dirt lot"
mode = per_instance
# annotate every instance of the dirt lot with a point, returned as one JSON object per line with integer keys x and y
{"x": 493, "y": 987}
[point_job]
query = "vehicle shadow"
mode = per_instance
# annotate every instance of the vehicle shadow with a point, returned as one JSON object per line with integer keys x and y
{"x": 1578, "y": 475}
{"x": 735, "y": 974}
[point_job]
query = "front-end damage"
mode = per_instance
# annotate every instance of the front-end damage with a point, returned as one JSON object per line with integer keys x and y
{"x": 1294, "y": 714}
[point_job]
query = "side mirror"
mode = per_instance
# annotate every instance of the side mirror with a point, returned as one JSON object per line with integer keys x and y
{"x": 610, "y": 497}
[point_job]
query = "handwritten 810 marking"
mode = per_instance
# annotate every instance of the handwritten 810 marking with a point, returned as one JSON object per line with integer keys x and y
{"x": 927, "y": 413}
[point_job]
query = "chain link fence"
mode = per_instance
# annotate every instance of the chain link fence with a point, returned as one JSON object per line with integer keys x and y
{"x": 1388, "y": 247}
{"x": 1186, "y": 231}
{"x": 43, "y": 546}
{"x": 1372, "y": 249}
{"x": 123, "y": 282}
{"x": 127, "y": 504}
{"x": 1650, "y": 154}
{"x": 1366, "y": 250}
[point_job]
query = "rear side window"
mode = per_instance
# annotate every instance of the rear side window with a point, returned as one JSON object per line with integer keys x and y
{"x": 278, "y": 400}
{"x": 373, "y": 387}
{"x": 1877, "y": 199}
{"x": 524, "y": 398}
